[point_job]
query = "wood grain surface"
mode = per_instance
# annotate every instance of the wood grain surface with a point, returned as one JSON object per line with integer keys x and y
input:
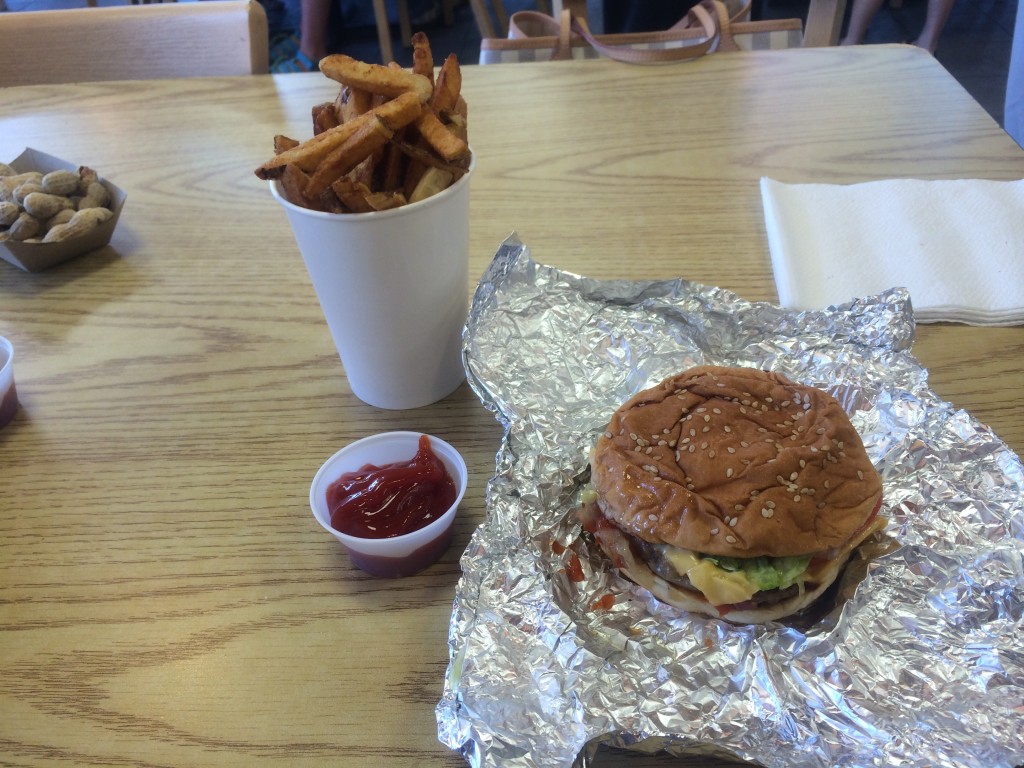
{"x": 166, "y": 598}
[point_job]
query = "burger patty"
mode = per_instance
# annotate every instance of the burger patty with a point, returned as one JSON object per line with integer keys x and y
{"x": 660, "y": 565}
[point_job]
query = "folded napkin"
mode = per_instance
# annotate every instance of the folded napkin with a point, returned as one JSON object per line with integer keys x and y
{"x": 957, "y": 246}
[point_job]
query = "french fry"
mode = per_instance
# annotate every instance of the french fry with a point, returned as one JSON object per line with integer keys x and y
{"x": 375, "y": 78}
{"x": 391, "y": 136}
{"x": 422, "y": 57}
{"x": 433, "y": 181}
{"x": 308, "y": 155}
{"x": 351, "y": 103}
{"x": 383, "y": 201}
{"x": 456, "y": 123}
{"x": 293, "y": 183}
{"x": 352, "y": 195}
{"x": 372, "y": 135}
{"x": 427, "y": 159}
{"x": 441, "y": 140}
{"x": 448, "y": 87}
{"x": 283, "y": 143}
{"x": 325, "y": 117}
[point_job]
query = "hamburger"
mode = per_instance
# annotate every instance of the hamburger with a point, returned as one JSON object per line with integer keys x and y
{"x": 732, "y": 492}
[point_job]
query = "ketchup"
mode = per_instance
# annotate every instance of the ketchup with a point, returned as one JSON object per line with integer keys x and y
{"x": 392, "y": 500}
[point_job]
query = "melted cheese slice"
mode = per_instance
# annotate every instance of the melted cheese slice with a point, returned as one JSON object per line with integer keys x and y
{"x": 721, "y": 587}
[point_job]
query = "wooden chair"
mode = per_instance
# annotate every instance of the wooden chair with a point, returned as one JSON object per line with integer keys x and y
{"x": 134, "y": 42}
{"x": 380, "y": 14}
{"x": 486, "y": 24}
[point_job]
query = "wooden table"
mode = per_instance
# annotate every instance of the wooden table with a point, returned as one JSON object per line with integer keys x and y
{"x": 166, "y": 597}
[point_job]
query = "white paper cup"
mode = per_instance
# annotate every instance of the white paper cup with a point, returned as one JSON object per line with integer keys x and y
{"x": 8, "y": 394}
{"x": 394, "y": 289}
{"x": 399, "y": 555}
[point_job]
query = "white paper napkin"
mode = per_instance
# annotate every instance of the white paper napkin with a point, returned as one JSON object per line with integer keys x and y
{"x": 957, "y": 246}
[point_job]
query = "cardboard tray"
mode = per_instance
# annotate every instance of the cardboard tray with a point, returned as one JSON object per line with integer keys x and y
{"x": 35, "y": 257}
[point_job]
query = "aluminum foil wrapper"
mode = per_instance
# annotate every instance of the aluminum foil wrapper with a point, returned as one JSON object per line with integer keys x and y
{"x": 916, "y": 658}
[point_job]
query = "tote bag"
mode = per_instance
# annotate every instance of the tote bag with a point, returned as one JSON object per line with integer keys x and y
{"x": 707, "y": 27}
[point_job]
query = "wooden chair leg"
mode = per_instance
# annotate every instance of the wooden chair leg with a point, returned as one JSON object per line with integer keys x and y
{"x": 380, "y": 12}
{"x": 483, "y": 18}
{"x": 404, "y": 25}
{"x": 502, "y": 15}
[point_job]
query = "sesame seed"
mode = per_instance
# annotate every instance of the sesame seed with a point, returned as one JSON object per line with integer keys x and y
{"x": 728, "y": 472}
{"x": 632, "y": 436}
{"x": 653, "y": 518}
{"x": 770, "y": 504}
{"x": 767, "y": 512}
{"x": 797, "y": 498}
{"x": 733, "y": 522}
{"x": 828, "y": 484}
{"x": 860, "y": 475}
{"x": 761, "y": 429}
{"x": 692, "y": 447}
{"x": 707, "y": 418}
{"x": 731, "y": 539}
{"x": 793, "y": 476}
{"x": 727, "y": 428}
{"x": 678, "y": 457}
{"x": 711, "y": 454}
{"x": 693, "y": 433}
{"x": 706, "y": 429}
{"x": 744, "y": 444}
{"x": 715, "y": 410}
{"x": 704, "y": 446}
{"x": 784, "y": 403}
{"x": 738, "y": 507}
{"x": 730, "y": 449}
{"x": 820, "y": 430}
{"x": 714, "y": 531}
{"x": 821, "y": 505}
{"x": 665, "y": 431}
{"x": 802, "y": 463}
{"x": 662, "y": 442}
{"x": 608, "y": 435}
{"x": 648, "y": 450}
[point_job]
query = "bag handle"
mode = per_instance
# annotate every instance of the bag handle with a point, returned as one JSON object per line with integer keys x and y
{"x": 710, "y": 16}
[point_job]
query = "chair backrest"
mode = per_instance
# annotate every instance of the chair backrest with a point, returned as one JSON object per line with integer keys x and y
{"x": 134, "y": 42}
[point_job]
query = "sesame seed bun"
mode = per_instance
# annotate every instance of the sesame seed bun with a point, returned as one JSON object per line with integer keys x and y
{"x": 735, "y": 462}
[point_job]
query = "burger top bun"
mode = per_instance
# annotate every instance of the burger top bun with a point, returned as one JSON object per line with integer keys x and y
{"x": 736, "y": 462}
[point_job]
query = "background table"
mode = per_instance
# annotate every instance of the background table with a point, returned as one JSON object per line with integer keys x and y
{"x": 166, "y": 597}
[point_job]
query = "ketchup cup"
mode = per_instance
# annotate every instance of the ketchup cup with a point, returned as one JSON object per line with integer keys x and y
{"x": 401, "y": 555}
{"x": 8, "y": 395}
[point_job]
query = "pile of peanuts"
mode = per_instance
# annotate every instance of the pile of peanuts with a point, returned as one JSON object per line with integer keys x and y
{"x": 51, "y": 207}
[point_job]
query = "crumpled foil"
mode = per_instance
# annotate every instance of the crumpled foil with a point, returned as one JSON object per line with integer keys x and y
{"x": 915, "y": 659}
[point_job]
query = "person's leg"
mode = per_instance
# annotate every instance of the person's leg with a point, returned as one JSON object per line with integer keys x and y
{"x": 861, "y": 14}
{"x": 934, "y": 21}
{"x": 313, "y": 25}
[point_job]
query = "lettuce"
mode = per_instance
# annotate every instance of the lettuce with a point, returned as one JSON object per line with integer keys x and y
{"x": 765, "y": 572}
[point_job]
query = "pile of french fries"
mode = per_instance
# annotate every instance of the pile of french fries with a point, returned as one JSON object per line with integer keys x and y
{"x": 391, "y": 137}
